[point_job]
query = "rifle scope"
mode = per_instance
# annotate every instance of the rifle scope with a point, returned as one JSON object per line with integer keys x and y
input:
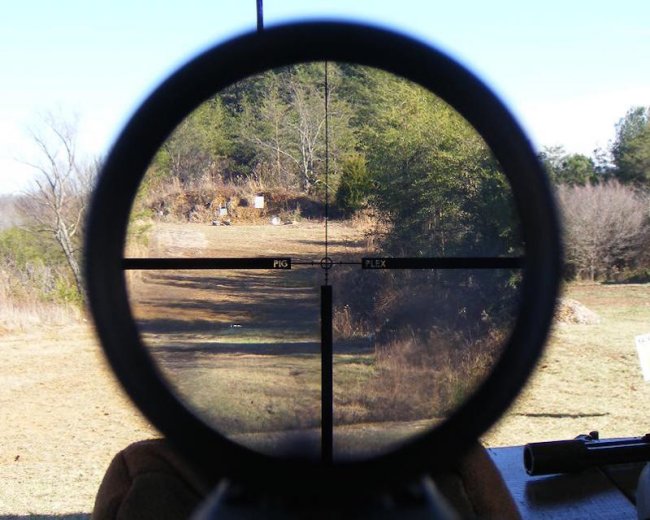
{"x": 322, "y": 254}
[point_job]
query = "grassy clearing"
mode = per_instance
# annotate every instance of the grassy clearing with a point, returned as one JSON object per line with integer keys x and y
{"x": 589, "y": 377}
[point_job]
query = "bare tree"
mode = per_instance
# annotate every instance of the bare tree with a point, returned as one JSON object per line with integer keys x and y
{"x": 290, "y": 132}
{"x": 266, "y": 128}
{"x": 56, "y": 203}
{"x": 288, "y": 127}
{"x": 604, "y": 226}
{"x": 309, "y": 123}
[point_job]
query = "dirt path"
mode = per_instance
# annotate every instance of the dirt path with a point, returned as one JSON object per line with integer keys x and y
{"x": 304, "y": 239}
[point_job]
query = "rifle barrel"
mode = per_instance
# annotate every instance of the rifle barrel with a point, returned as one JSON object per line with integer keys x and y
{"x": 545, "y": 458}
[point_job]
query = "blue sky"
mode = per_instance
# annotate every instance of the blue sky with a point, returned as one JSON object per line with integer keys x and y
{"x": 568, "y": 69}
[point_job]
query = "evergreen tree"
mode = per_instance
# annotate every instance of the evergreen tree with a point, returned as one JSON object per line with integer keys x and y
{"x": 631, "y": 149}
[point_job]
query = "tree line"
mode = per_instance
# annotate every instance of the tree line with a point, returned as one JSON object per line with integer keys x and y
{"x": 395, "y": 148}
{"x": 395, "y": 152}
{"x": 391, "y": 146}
{"x": 605, "y": 203}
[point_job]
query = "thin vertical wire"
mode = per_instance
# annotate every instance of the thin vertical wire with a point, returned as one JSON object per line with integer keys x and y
{"x": 260, "y": 16}
{"x": 327, "y": 171}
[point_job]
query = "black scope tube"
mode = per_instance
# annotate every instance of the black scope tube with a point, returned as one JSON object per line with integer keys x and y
{"x": 545, "y": 458}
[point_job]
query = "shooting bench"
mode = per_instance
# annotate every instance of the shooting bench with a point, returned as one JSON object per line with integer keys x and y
{"x": 603, "y": 492}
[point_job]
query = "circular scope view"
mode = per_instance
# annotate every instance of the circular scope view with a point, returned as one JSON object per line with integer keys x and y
{"x": 324, "y": 260}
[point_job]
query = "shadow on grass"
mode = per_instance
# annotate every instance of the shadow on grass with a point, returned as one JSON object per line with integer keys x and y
{"x": 634, "y": 280}
{"x": 262, "y": 349}
{"x": 356, "y": 244}
{"x": 209, "y": 301}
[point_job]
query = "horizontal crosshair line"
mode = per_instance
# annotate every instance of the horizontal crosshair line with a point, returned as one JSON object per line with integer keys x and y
{"x": 318, "y": 262}
{"x": 206, "y": 263}
{"x": 284, "y": 263}
{"x": 448, "y": 262}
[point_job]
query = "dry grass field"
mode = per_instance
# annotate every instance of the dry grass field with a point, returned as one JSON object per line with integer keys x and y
{"x": 589, "y": 378}
{"x": 62, "y": 418}
{"x": 62, "y": 415}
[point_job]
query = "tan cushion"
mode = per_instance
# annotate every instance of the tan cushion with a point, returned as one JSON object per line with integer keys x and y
{"x": 148, "y": 480}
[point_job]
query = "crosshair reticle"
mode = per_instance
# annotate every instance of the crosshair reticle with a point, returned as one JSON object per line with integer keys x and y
{"x": 391, "y": 333}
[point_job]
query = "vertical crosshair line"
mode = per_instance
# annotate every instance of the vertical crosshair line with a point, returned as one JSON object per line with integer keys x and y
{"x": 327, "y": 392}
{"x": 327, "y": 354}
{"x": 327, "y": 172}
